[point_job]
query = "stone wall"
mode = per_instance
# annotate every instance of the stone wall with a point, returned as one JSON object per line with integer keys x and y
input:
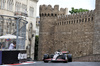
{"x": 96, "y": 44}
{"x": 77, "y": 33}
{"x": 89, "y": 58}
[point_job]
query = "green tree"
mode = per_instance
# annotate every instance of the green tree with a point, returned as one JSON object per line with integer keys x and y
{"x": 36, "y": 47}
{"x": 77, "y": 10}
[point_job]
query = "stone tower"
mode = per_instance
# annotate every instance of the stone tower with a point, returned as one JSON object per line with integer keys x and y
{"x": 96, "y": 44}
{"x": 48, "y": 18}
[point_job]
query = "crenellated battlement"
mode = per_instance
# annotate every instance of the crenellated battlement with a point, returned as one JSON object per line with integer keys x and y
{"x": 48, "y": 10}
{"x": 81, "y": 14}
{"x": 76, "y": 18}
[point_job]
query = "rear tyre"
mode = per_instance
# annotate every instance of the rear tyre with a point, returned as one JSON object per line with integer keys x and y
{"x": 69, "y": 56}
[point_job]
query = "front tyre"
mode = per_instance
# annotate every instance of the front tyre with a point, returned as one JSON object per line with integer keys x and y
{"x": 46, "y": 56}
{"x": 45, "y": 61}
{"x": 65, "y": 61}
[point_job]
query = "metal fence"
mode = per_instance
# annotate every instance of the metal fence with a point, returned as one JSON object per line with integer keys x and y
{"x": 14, "y": 25}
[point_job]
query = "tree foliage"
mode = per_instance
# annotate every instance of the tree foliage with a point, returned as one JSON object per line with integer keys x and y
{"x": 77, "y": 10}
{"x": 36, "y": 47}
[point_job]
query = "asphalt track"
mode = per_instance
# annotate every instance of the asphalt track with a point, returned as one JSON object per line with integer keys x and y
{"x": 41, "y": 63}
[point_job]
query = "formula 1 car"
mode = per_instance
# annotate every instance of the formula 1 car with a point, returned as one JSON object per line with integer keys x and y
{"x": 63, "y": 56}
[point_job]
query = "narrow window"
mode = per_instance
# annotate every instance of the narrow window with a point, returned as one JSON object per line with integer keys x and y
{"x": 64, "y": 22}
{"x": 42, "y": 14}
{"x": 69, "y": 22}
{"x": 85, "y": 19}
{"x": 48, "y": 15}
{"x": 88, "y": 19}
{"x": 77, "y": 21}
{"x": 60, "y": 23}
{"x": 45, "y": 14}
{"x": 92, "y": 19}
{"x": 74, "y": 21}
{"x": 52, "y": 14}
{"x": 55, "y": 14}
{"x": 82, "y": 20}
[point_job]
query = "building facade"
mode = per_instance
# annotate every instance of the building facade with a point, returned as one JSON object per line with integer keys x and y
{"x": 37, "y": 25}
{"x": 25, "y": 8}
{"x": 77, "y": 33}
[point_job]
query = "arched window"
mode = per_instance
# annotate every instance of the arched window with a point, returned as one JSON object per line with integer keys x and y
{"x": 18, "y": 6}
{"x": 3, "y": 4}
{"x": 10, "y": 5}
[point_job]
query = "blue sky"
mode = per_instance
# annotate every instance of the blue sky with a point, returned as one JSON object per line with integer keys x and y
{"x": 85, "y": 4}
